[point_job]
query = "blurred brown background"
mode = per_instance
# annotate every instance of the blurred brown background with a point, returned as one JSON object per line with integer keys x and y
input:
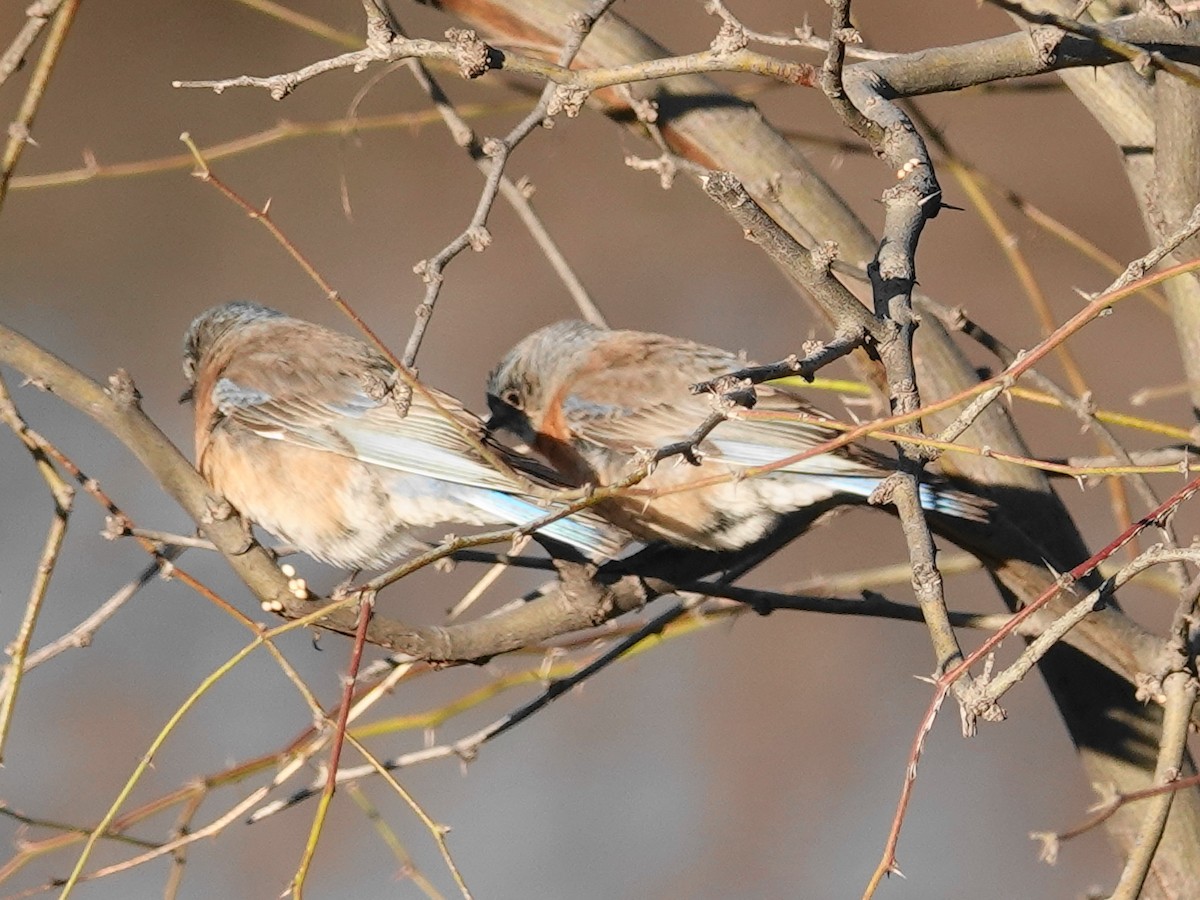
{"x": 761, "y": 759}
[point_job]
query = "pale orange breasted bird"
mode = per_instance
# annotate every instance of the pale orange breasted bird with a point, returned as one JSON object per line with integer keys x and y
{"x": 302, "y": 429}
{"x": 593, "y": 402}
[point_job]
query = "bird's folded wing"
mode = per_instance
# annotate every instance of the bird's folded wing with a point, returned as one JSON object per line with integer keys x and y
{"x": 342, "y": 418}
{"x": 737, "y": 441}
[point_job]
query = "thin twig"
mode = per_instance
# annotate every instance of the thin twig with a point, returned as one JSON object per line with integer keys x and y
{"x": 1051, "y": 840}
{"x": 83, "y": 633}
{"x": 803, "y": 35}
{"x": 474, "y": 58}
{"x": 38, "y": 16}
{"x": 887, "y": 863}
{"x": 406, "y": 864}
{"x": 517, "y": 194}
{"x": 841, "y": 33}
{"x": 19, "y": 129}
{"x": 286, "y": 130}
{"x": 496, "y": 151}
{"x": 816, "y": 357}
{"x": 1083, "y": 409}
{"x": 1180, "y": 689}
{"x": 437, "y": 831}
{"x": 995, "y": 688}
{"x": 183, "y": 824}
{"x": 262, "y": 637}
{"x": 366, "y": 606}
{"x": 64, "y": 496}
{"x": 987, "y": 391}
{"x": 467, "y": 748}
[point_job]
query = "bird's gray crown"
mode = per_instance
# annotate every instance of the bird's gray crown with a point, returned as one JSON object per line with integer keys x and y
{"x": 207, "y": 327}
{"x": 537, "y": 358}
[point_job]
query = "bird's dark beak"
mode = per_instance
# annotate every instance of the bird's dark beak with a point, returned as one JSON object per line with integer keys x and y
{"x": 510, "y": 421}
{"x": 503, "y": 416}
{"x": 188, "y": 395}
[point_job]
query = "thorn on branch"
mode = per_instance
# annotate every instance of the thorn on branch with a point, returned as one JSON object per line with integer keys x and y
{"x": 19, "y": 131}
{"x": 1163, "y": 519}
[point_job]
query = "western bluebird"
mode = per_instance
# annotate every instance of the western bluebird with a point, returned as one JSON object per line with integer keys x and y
{"x": 299, "y": 428}
{"x": 591, "y": 401}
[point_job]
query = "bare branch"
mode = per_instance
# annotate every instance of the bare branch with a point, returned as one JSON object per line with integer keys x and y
{"x": 38, "y": 16}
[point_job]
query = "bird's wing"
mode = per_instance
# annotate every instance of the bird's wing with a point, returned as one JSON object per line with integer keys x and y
{"x": 346, "y": 402}
{"x": 647, "y": 404}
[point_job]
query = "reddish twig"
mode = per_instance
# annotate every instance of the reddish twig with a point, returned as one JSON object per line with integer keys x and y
{"x": 944, "y": 683}
{"x": 365, "y": 609}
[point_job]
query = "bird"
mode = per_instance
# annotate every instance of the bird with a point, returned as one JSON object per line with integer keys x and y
{"x": 594, "y": 402}
{"x": 309, "y": 433}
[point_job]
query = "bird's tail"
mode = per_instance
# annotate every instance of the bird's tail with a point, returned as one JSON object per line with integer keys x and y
{"x": 936, "y": 496}
{"x": 582, "y": 530}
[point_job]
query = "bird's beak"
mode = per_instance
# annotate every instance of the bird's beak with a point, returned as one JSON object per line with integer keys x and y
{"x": 502, "y": 415}
{"x": 188, "y": 395}
{"x": 511, "y": 421}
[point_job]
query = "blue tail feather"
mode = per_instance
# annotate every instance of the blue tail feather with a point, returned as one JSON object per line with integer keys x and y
{"x": 596, "y": 540}
{"x": 938, "y": 498}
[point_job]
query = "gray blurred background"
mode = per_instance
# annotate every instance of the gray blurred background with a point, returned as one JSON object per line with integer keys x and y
{"x": 761, "y": 758}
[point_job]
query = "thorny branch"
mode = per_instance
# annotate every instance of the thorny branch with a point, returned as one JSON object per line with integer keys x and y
{"x": 1006, "y": 241}
{"x": 958, "y": 320}
{"x": 989, "y": 689}
{"x": 19, "y": 129}
{"x": 497, "y": 152}
{"x": 803, "y": 36}
{"x": 516, "y": 193}
{"x": 64, "y": 496}
{"x": 841, "y": 33}
{"x": 474, "y": 58}
{"x": 38, "y": 16}
{"x": 1093, "y": 310}
{"x": 1052, "y": 841}
{"x": 881, "y": 333}
{"x": 883, "y": 311}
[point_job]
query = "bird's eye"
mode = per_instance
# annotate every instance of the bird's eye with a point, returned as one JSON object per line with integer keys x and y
{"x": 512, "y": 398}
